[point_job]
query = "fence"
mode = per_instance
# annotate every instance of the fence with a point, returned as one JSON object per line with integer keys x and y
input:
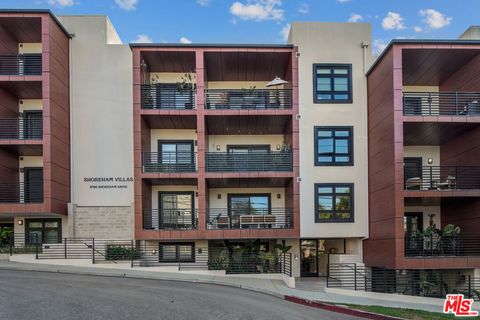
{"x": 426, "y": 283}
{"x": 441, "y": 103}
{"x": 21, "y": 64}
{"x": 442, "y": 178}
{"x": 240, "y": 99}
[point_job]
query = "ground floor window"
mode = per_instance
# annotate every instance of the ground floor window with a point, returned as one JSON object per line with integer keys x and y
{"x": 176, "y": 252}
{"x": 43, "y": 231}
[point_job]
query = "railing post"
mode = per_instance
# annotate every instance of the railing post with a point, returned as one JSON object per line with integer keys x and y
{"x": 430, "y": 103}
{"x": 469, "y": 286}
{"x": 65, "y": 247}
{"x": 290, "y": 263}
{"x": 355, "y": 276}
{"x": 431, "y": 178}
{"x": 36, "y": 246}
{"x": 93, "y": 251}
{"x": 11, "y": 242}
{"x": 328, "y": 273}
{"x": 131, "y": 254}
{"x": 456, "y": 103}
{"x": 177, "y": 252}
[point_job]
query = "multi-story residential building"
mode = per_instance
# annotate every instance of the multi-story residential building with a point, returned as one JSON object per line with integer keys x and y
{"x": 333, "y": 59}
{"x": 216, "y": 147}
{"x": 424, "y": 157}
{"x": 34, "y": 124}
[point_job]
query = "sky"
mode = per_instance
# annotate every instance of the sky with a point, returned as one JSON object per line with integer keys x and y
{"x": 267, "y": 21}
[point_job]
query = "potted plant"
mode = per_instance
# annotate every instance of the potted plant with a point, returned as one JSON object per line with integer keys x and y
{"x": 187, "y": 85}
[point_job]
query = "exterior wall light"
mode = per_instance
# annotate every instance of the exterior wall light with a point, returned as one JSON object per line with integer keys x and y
{"x": 430, "y": 160}
{"x": 279, "y": 196}
{"x": 20, "y": 222}
{"x": 278, "y": 147}
{"x": 154, "y": 251}
{"x": 218, "y": 147}
{"x": 219, "y": 196}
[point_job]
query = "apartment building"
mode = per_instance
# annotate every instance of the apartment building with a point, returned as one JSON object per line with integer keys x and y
{"x": 34, "y": 125}
{"x": 333, "y": 59}
{"x": 424, "y": 160}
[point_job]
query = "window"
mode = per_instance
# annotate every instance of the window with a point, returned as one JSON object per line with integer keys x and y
{"x": 176, "y": 152}
{"x": 334, "y": 202}
{"x": 333, "y": 146}
{"x": 249, "y": 203}
{"x": 332, "y": 83}
{"x": 43, "y": 231}
{"x": 175, "y": 252}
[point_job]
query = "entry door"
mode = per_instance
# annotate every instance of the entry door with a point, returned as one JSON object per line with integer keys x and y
{"x": 32, "y": 124}
{"x": 308, "y": 258}
{"x": 176, "y": 210}
{"x": 33, "y": 185}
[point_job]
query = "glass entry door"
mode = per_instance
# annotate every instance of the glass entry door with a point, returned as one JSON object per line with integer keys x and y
{"x": 308, "y": 258}
{"x": 176, "y": 210}
{"x": 247, "y": 205}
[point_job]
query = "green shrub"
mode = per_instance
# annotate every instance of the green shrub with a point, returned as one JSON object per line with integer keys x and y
{"x": 120, "y": 252}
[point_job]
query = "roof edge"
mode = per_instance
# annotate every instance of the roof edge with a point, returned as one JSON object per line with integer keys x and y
{"x": 69, "y": 35}
{"x": 417, "y": 41}
{"x": 210, "y": 45}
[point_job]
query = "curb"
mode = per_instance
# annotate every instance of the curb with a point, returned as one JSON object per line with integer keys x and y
{"x": 339, "y": 309}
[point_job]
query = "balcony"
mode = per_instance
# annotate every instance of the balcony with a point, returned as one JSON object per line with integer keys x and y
{"x": 441, "y": 104}
{"x": 21, "y": 129}
{"x": 21, "y": 192}
{"x": 163, "y": 96}
{"x": 27, "y": 64}
{"x": 442, "y": 178}
{"x": 437, "y": 245}
{"x": 169, "y": 162}
{"x": 250, "y": 218}
{"x": 170, "y": 219}
{"x": 246, "y": 99}
{"x": 251, "y": 161}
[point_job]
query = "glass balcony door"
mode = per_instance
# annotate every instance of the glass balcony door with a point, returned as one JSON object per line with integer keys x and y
{"x": 176, "y": 210}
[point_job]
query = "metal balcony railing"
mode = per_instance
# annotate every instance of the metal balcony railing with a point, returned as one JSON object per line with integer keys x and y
{"x": 170, "y": 219}
{"x": 165, "y": 162}
{"x": 167, "y": 97}
{"x": 436, "y": 245}
{"x": 251, "y": 161}
{"x": 21, "y": 192}
{"x": 442, "y": 178}
{"x": 239, "y": 99}
{"x": 250, "y": 218}
{"x": 21, "y": 129}
{"x": 441, "y": 103}
{"x": 26, "y": 64}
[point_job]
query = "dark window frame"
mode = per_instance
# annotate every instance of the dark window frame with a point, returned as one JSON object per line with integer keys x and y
{"x": 190, "y": 193}
{"x": 331, "y": 66}
{"x": 333, "y": 194}
{"x": 43, "y": 220}
{"x": 161, "y": 142}
{"x": 177, "y": 253}
{"x": 318, "y": 163}
{"x": 230, "y": 195}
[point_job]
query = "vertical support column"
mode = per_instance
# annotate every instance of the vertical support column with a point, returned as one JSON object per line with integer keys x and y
{"x": 201, "y": 138}
{"x": 295, "y": 143}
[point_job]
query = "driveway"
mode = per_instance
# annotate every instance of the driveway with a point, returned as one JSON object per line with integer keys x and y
{"x": 51, "y": 296}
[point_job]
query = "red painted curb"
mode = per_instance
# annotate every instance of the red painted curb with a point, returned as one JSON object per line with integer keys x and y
{"x": 339, "y": 309}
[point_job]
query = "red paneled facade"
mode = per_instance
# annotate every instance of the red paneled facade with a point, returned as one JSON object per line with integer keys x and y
{"x": 424, "y": 94}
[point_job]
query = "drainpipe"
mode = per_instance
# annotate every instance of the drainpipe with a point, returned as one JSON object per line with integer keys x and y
{"x": 71, "y": 217}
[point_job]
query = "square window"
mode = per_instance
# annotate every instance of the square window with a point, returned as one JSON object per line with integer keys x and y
{"x": 334, "y": 203}
{"x": 334, "y": 146}
{"x": 332, "y": 83}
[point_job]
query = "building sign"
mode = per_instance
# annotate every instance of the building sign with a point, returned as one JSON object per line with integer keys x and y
{"x": 108, "y": 182}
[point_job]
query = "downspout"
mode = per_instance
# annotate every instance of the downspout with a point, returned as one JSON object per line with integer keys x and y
{"x": 72, "y": 176}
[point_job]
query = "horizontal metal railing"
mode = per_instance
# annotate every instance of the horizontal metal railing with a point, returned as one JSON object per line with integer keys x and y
{"x": 21, "y": 129}
{"x": 442, "y": 178}
{"x": 21, "y": 192}
{"x": 170, "y": 219}
{"x": 252, "y": 161}
{"x": 441, "y": 103}
{"x": 239, "y": 99}
{"x": 16, "y": 243}
{"x": 21, "y": 64}
{"x": 169, "y": 162}
{"x": 426, "y": 283}
{"x": 249, "y": 218}
{"x": 435, "y": 245}
{"x": 167, "y": 96}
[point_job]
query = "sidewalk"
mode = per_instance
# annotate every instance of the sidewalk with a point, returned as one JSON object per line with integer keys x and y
{"x": 268, "y": 284}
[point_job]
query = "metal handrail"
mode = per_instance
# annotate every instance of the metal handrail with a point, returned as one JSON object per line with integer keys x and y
{"x": 21, "y": 128}
{"x": 19, "y": 192}
{"x": 25, "y": 64}
{"x": 441, "y": 103}
{"x": 251, "y": 161}
{"x": 167, "y": 96}
{"x": 248, "y": 218}
{"x": 442, "y": 178}
{"x": 169, "y": 161}
{"x": 170, "y": 219}
{"x": 239, "y": 99}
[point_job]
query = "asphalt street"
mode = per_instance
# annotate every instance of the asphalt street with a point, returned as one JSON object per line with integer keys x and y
{"x": 52, "y": 296}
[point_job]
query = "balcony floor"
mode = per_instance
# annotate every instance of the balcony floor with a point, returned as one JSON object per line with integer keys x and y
{"x": 441, "y": 193}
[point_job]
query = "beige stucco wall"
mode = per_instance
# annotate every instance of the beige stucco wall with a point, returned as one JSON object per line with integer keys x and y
{"x": 101, "y": 112}
{"x": 223, "y": 140}
{"x": 425, "y": 152}
{"x": 420, "y": 88}
{"x": 332, "y": 43}
{"x": 426, "y": 210}
{"x": 214, "y": 202}
{"x": 167, "y": 77}
{"x": 29, "y": 47}
{"x": 30, "y": 104}
{"x": 171, "y": 134}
